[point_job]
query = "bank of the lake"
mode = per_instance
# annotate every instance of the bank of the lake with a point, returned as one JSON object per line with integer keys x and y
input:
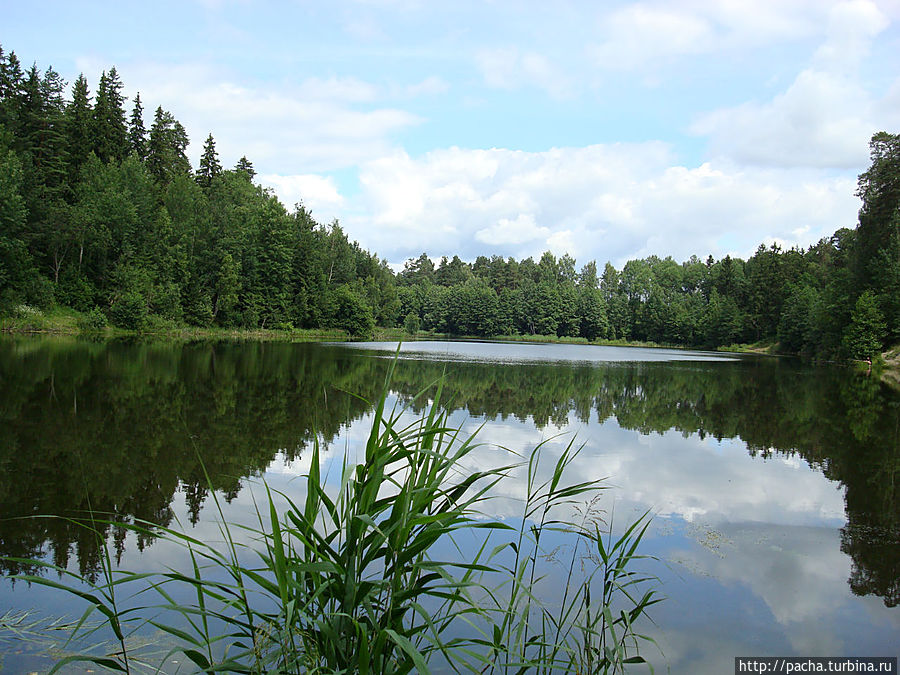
{"x": 67, "y": 321}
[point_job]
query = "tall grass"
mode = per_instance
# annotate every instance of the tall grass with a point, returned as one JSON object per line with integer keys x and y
{"x": 349, "y": 580}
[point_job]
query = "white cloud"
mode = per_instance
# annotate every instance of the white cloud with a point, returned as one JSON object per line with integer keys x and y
{"x": 316, "y": 124}
{"x": 851, "y": 26}
{"x": 822, "y": 120}
{"x": 348, "y": 89}
{"x": 603, "y": 202}
{"x": 519, "y": 231}
{"x": 319, "y": 194}
{"x": 825, "y": 117}
{"x": 430, "y": 86}
{"x": 512, "y": 68}
{"x": 641, "y": 34}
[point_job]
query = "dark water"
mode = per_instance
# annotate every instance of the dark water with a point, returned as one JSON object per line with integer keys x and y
{"x": 774, "y": 484}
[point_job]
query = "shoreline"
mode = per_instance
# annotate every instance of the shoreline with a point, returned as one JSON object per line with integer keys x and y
{"x": 66, "y": 322}
{"x": 63, "y": 321}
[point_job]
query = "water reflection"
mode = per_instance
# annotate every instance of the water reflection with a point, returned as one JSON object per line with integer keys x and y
{"x": 765, "y": 474}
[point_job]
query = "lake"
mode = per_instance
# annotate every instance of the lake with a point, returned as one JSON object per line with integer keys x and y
{"x": 774, "y": 485}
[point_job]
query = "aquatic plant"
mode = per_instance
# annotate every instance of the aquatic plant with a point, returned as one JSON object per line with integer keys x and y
{"x": 350, "y": 581}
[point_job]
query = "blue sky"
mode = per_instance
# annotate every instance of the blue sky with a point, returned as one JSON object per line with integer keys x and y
{"x": 606, "y": 130}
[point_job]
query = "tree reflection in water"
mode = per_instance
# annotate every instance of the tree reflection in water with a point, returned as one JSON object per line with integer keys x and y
{"x": 120, "y": 427}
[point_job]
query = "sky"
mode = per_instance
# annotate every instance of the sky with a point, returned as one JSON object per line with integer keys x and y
{"x": 606, "y": 130}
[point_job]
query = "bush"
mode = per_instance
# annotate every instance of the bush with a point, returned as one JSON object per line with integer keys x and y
{"x": 23, "y": 311}
{"x": 76, "y": 292}
{"x": 351, "y": 313}
{"x": 129, "y": 311}
{"x": 154, "y": 323}
{"x": 39, "y": 292}
{"x": 863, "y": 337}
{"x": 198, "y": 310}
{"x": 411, "y": 323}
{"x": 92, "y": 322}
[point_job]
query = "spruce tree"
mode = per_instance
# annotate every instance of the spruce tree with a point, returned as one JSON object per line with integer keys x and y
{"x": 110, "y": 129}
{"x": 79, "y": 124}
{"x": 53, "y": 141}
{"x": 137, "y": 134}
{"x": 157, "y": 144}
{"x": 12, "y": 94}
{"x": 42, "y": 135}
{"x": 209, "y": 167}
{"x": 180, "y": 143}
{"x": 245, "y": 165}
{"x": 31, "y": 112}
{"x": 166, "y": 147}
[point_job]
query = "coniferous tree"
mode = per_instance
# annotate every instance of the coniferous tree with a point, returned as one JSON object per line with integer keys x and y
{"x": 877, "y": 243}
{"x": 209, "y": 167}
{"x": 15, "y": 262}
{"x": 3, "y": 75}
{"x": 137, "y": 134}
{"x": 862, "y": 338}
{"x": 110, "y": 128}
{"x": 166, "y": 147}
{"x": 11, "y": 94}
{"x": 79, "y": 125}
{"x": 245, "y": 165}
{"x": 53, "y": 133}
{"x": 31, "y": 111}
{"x": 41, "y": 131}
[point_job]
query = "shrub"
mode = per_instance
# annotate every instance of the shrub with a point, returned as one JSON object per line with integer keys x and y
{"x": 92, "y": 322}
{"x": 76, "y": 292}
{"x": 23, "y": 311}
{"x": 154, "y": 323}
{"x": 351, "y": 313}
{"x": 411, "y": 323}
{"x": 129, "y": 311}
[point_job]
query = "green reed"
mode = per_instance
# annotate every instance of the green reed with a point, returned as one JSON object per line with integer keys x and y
{"x": 348, "y": 580}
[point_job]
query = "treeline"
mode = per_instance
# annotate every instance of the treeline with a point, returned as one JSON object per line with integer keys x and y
{"x": 840, "y": 297}
{"x": 102, "y": 215}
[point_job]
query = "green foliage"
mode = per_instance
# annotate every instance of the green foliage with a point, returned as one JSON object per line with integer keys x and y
{"x": 166, "y": 147}
{"x": 129, "y": 310}
{"x": 83, "y": 193}
{"x": 94, "y": 321}
{"x": 245, "y": 166}
{"x": 594, "y": 322}
{"x": 154, "y": 323}
{"x": 350, "y": 580}
{"x": 863, "y": 337}
{"x": 137, "y": 133}
{"x": 209, "y": 169}
{"x": 417, "y": 271}
{"x": 76, "y": 291}
{"x": 411, "y": 323}
{"x": 797, "y": 329}
{"x": 17, "y": 272}
{"x": 79, "y": 128}
{"x": 350, "y": 312}
{"x": 110, "y": 133}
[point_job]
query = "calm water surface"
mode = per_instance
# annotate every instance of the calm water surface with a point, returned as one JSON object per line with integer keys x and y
{"x": 774, "y": 485}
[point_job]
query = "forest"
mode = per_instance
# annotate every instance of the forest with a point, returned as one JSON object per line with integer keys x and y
{"x": 103, "y": 215}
